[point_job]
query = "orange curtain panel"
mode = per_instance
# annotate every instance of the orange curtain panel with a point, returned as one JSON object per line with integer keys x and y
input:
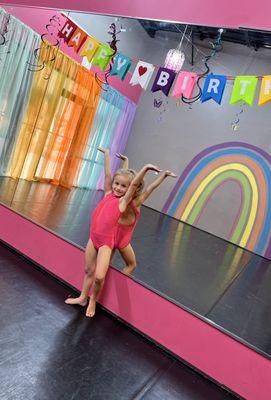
{"x": 57, "y": 123}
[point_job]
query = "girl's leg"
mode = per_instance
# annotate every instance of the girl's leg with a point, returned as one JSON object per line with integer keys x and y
{"x": 90, "y": 264}
{"x": 103, "y": 260}
{"x": 129, "y": 258}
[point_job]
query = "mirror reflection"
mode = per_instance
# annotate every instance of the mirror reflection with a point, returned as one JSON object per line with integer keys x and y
{"x": 191, "y": 100}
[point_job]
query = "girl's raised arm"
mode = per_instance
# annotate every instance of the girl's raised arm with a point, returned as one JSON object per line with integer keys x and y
{"x": 125, "y": 160}
{"x": 107, "y": 170}
{"x": 154, "y": 185}
{"x": 129, "y": 195}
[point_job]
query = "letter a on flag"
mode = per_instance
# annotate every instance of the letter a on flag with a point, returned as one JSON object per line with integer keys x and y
{"x": 77, "y": 39}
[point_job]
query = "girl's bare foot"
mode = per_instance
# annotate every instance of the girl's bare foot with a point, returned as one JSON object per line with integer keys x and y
{"x": 76, "y": 301}
{"x": 128, "y": 270}
{"x": 91, "y": 308}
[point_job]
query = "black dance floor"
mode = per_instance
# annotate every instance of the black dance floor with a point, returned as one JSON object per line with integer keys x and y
{"x": 51, "y": 351}
{"x": 219, "y": 282}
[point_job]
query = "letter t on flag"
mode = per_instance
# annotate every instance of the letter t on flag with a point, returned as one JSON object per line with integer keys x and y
{"x": 213, "y": 88}
{"x": 244, "y": 89}
{"x": 163, "y": 80}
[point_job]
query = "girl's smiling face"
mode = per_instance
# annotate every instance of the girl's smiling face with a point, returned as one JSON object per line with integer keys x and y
{"x": 120, "y": 185}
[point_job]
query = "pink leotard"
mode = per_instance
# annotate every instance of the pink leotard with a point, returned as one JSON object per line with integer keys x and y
{"x": 124, "y": 232}
{"x": 104, "y": 222}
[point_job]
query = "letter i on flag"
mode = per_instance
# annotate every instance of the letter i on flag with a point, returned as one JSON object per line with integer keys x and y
{"x": 265, "y": 92}
{"x": 244, "y": 89}
{"x": 68, "y": 29}
{"x": 164, "y": 80}
{"x": 102, "y": 57}
{"x": 142, "y": 74}
{"x": 213, "y": 88}
{"x": 121, "y": 66}
{"x": 185, "y": 84}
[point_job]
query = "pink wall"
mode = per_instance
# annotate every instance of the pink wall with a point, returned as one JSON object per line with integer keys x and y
{"x": 38, "y": 18}
{"x": 217, "y": 355}
{"x": 229, "y": 13}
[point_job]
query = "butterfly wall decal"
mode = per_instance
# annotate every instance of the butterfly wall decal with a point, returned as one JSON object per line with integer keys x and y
{"x": 157, "y": 103}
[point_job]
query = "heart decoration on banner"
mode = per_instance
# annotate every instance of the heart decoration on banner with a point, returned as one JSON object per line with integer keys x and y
{"x": 142, "y": 70}
{"x": 142, "y": 74}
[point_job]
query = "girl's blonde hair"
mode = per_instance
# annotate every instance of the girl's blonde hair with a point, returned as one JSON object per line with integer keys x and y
{"x": 131, "y": 173}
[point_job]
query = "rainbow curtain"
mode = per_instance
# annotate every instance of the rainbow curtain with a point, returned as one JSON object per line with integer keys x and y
{"x": 15, "y": 81}
{"x": 64, "y": 113}
{"x": 110, "y": 129}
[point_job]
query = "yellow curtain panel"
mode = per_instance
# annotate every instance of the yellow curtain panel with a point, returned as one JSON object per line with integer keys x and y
{"x": 57, "y": 123}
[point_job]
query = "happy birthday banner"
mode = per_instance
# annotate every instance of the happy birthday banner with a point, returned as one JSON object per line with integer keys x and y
{"x": 100, "y": 55}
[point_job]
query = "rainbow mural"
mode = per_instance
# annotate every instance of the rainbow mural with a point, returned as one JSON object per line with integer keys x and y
{"x": 248, "y": 166}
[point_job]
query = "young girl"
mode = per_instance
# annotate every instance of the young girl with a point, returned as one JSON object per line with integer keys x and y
{"x": 118, "y": 195}
{"x": 128, "y": 220}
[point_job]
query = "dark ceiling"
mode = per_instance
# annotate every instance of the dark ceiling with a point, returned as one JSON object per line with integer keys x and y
{"x": 247, "y": 37}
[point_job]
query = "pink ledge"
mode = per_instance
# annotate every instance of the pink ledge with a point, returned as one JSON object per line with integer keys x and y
{"x": 231, "y": 13}
{"x": 216, "y": 354}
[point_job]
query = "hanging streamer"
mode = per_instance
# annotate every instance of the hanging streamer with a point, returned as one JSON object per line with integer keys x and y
{"x": 161, "y": 105}
{"x": 3, "y": 33}
{"x": 216, "y": 48}
{"x": 235, "y": 123}
{"x": 51, "y": 35}
{"x": 113, "y": 44}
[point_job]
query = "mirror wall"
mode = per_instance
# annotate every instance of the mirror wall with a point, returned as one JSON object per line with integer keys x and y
{"x": 203, "y": 262}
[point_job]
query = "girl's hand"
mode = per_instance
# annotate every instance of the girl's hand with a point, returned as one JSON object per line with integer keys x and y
{"x": 103, "y": 150}
{"x": 121, "y": 156}
{"x": 151, "y": 167}
{"x": 169, "y": 173}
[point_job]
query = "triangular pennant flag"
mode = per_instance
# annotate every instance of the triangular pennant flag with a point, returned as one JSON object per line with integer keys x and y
{"x": 77, "y": 39}
{"x": 213, "y": 88}
{"x": 121, "y": 66}
{"x": 102, "y": 57}
{"x": 163, "y": 80}
{"x": 67, "y": 30}
{"x": 142, "y": 74}
{"x": 244, "y": 89}
{"x": 185, "y": 84}
{"x": 265, "y": 92}
{"x": 86, "y": 63}
{"x": 90, "y": 47}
